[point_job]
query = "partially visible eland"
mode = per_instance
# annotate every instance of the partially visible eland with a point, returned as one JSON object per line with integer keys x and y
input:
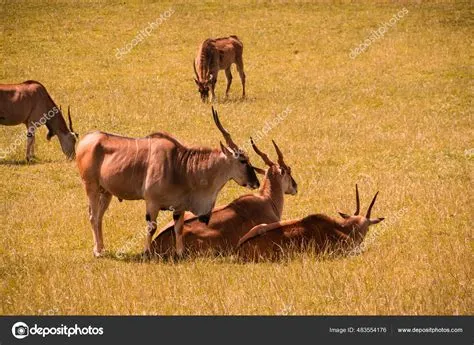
{"x": 30, "y": 104}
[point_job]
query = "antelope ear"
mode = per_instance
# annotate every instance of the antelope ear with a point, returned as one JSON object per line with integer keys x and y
{"x": 375, "y": 221}
{"x": 224, "y": 149}
{"x": 259, "y": 171}
{"x": 282, "y": 171}
{"x": 343, "y": 215}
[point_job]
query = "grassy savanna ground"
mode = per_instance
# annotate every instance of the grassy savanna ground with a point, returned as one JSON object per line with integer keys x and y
{"x": 398, "y": 119}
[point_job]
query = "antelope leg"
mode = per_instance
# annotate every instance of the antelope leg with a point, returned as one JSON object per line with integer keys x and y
{"x": 178, "y": 218}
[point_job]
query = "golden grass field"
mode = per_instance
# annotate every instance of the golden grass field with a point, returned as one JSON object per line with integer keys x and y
{"x": 398, "y": 118}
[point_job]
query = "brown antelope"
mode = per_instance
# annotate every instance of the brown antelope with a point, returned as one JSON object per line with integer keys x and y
{"x": 30, "y": 104}
{"x": 159, "y": 169}
{"x": 269, "y": 241}
{"x": 214, "y": 55}
{"x": 230, "y": 222}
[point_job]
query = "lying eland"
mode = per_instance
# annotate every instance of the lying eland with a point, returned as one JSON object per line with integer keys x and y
{"x": 230, "y": 222}
{"x": 269, "y": 241}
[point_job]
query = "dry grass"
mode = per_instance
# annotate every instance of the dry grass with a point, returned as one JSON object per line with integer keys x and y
{"x": 396, "y": 119}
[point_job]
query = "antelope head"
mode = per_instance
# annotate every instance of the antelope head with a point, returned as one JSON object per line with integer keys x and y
{"x": 280, "y": 169}
{"x": 242, "y": 171}
{"x": 203, "y": 85}
{"x": 358, "y": 225}
{"x": 67, "y": 139}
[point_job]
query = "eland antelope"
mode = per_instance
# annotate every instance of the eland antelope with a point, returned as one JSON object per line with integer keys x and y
{"x": 214, "y": 55}
{"x": 160, "y": 170}
{"x": 30, "y": 104}
{"x": 269, "y": 241}
{"x": 230, "y": 222}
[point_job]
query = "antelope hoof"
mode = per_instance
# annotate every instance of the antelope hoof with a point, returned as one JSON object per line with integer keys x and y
{"x": 99, "y": 253}
{"x": 31, "y": 159}
{"x": 180, "y": 252}
{"x": 146, "y": 255}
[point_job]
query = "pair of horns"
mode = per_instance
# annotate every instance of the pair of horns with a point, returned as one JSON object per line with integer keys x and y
{"x": 369, "y": 210}
{"x": 234, "y": 146}
{"x": 197, "y": 75}
{"x": 264, "y": 156}
{"x": 225, "y": 133}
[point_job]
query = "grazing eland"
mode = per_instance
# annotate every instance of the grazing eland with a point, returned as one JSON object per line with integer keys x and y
{"x": 270, "y": 241}
{"x": 30, "y": 104}
{"x": 230, "y": 222}
{"x": 214, "y": 55}
{"x": 160, "y": 170}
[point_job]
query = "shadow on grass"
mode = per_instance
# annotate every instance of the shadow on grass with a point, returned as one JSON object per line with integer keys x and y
{"x": 142, "y": 258}
{"x": 235, "y": 100}
{"x": 23, "y": 162}
{"x": 170, "y": 259}
{"x": 230, "y": 100}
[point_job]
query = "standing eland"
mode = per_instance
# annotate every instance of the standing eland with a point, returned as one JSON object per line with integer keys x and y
{"x": 214, "y": 55}
{"x": 162, "y": 171}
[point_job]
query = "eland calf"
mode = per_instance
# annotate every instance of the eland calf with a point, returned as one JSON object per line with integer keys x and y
{"x": 230, "y": 222}
{"x": 30, "y": 104}
{"x": 270, "y": 241}
{"x": 214, "y": 55}
{"x": 160, "y": 170}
